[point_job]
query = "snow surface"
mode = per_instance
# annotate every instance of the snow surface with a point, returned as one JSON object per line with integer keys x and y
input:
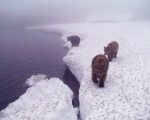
{"x": 126, "y": 95}
{"x": 34, "y": 79}
{"x": 48, "y": 99}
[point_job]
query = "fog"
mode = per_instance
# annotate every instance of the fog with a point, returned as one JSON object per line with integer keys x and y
{"x": 58, "y": 11}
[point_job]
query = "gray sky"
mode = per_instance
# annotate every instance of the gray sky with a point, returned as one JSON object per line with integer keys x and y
{"x": 74, "y": 9}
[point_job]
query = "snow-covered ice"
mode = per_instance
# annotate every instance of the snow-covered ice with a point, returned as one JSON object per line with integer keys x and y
{"x": 34, "y": 79}
{"x": 126, "y": 95}
{"x": 48, "y": 99}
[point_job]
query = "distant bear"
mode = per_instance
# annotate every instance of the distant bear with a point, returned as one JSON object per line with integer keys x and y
{"x": 74, "y": 39}
{"x": 100, "y": 66}
{"x": 111, "y": 50}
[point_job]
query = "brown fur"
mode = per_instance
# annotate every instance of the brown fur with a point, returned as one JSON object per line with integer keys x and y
{"x": 100, "y": 66}
{"x": 74, "y": 39}
{"x": 111, "y": 50}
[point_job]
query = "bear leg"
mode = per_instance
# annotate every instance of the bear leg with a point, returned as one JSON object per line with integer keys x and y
{"x": 115, "y": 55}
{"x": 94, "y": 77}
{"x": 110, "y": 58}
{"x": 101, "y": 84}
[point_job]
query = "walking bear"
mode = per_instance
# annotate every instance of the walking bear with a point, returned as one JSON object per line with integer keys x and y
{"x": 111, "y": 50}
{"x": 100, "y": 66}
{"x": 74, "y": 39}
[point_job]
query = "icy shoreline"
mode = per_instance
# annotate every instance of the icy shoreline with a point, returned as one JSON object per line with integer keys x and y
{"x": 48, "y": 99}
{"x": 126, "y": 95}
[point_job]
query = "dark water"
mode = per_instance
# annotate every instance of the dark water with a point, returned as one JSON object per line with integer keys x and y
{"x": 71, "y": 81}
{"x": 24, "y": 53}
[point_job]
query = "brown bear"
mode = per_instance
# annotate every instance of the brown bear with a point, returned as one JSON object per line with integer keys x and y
{"x": 74, "y": 39}
{"x": 111, "y": 50}
{"x": 100, "y": 66}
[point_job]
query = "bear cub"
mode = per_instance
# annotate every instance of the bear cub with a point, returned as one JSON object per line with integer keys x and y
{"x": 100, "y": 66}
{"x": 74, "y": 39}
{"x": 111, "y": 50}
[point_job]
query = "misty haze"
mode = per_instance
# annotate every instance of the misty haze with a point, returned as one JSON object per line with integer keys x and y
{"x": 74, "y": 60}
{"x": 55, "y": 11}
